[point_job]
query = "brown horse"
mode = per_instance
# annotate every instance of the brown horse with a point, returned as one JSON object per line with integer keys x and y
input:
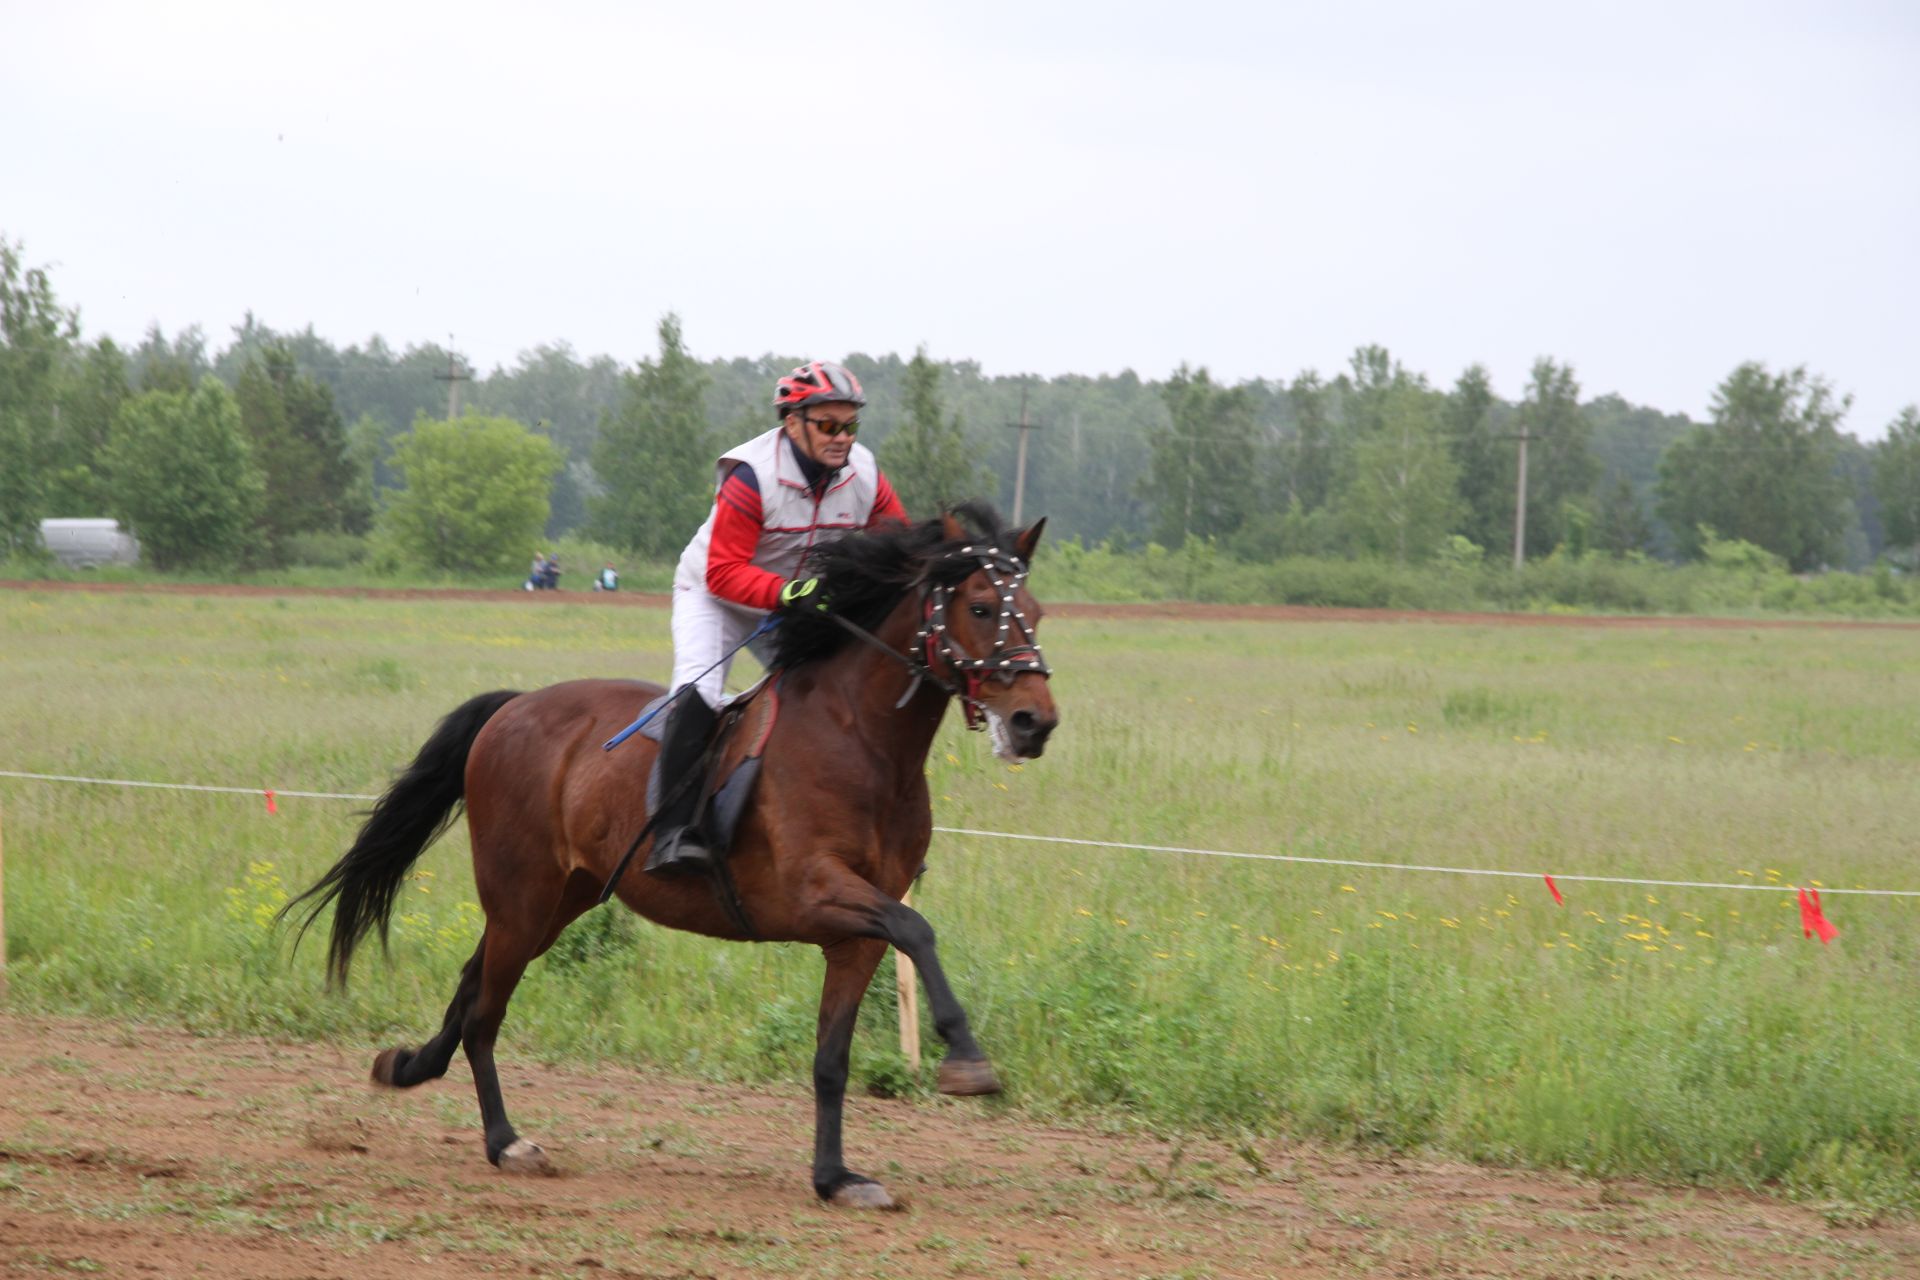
{"x": 836, "y": 830}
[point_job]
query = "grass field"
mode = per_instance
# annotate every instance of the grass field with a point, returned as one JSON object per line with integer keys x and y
{"x": 1690, "y": 1035}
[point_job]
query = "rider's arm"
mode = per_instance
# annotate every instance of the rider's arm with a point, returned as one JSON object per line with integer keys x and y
{"x": 886, "y": 506}
{"x": 731, "y": 573}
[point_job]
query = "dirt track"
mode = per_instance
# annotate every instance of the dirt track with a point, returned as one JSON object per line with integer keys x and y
{"x": 132, "y": 1151}
{"x": 1169, "y": 609}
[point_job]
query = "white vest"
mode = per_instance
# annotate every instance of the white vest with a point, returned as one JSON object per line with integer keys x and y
{"x": 791, "y": 518}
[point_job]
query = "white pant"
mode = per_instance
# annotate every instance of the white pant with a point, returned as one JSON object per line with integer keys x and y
{"x": 706, "y": 627}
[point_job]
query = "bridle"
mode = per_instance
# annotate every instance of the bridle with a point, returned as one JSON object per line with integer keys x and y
{"x": 933, "y": 642}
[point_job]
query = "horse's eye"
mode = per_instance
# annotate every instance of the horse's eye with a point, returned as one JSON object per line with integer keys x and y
{"x": 981, "y": 611}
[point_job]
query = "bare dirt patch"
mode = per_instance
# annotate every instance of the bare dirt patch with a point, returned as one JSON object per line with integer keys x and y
{"x": 130, "y": 1150}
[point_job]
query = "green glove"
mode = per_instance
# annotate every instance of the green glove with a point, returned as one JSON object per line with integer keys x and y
{"x": 803, "y": 593}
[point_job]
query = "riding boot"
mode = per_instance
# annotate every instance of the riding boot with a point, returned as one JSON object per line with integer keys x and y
{"x": 678, "y": 844}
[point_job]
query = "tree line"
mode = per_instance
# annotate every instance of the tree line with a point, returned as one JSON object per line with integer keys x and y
{"x": 280, "y": 440}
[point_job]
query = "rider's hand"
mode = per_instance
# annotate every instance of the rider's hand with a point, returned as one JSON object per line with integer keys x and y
{"x": 803, "y": 593}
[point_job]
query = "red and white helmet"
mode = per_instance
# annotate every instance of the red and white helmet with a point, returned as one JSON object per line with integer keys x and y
{"x": 819, "y": 382}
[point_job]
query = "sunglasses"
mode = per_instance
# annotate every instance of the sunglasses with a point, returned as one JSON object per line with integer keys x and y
{"x": 830, "y": 428}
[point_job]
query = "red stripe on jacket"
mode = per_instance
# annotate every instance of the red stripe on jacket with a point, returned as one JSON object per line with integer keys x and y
{"x": 731, "y": 573}
{"x": 886, "y": 505}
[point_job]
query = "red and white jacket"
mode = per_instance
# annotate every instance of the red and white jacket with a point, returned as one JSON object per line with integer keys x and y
{"x": 752, "y": 542}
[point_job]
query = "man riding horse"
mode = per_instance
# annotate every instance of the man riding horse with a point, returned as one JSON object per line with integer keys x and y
{"x": 777, "y": 494}
{"x": 901, "y": 622}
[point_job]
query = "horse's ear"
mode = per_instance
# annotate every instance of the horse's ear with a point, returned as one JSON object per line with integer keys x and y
{"x": 951, "y": 529}
{"x": 1029, "y": 539}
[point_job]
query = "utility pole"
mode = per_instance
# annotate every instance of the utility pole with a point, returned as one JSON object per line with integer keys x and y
{"x": 1020, "y": 466}
{"x": 453, "y": 377}
{"x": 1520, "y": 506}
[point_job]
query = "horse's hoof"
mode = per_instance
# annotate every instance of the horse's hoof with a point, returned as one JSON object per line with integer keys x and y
{"x": 385, "y": 1066}
{"x": 968, "y": 1077}
{"x": 522, "y": 1156}
{"x": 862, "y": 1195}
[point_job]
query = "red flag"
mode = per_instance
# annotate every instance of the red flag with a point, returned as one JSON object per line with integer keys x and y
{"x": 271, "y": 806}
{"x": 1554, "y": 889}
{"x": 1812, "y": 921}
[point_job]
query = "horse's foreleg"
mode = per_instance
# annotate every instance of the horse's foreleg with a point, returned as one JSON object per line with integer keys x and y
{"x": 965, "y": 1070}
{"x": 850, "y": 966}
{"x": 855, "y": 905}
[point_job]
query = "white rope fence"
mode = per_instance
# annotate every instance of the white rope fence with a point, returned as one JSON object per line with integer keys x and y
{"x": 1186, "y": 850}
{"x": 1811, "y": 917}
{"x": 185, "y": 786}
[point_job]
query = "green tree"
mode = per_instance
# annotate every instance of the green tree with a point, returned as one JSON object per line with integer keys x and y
{"x": 1896, "y": 479}
{"x": 1400, "y": 496}
{"x": 1621, "y": 525}
{"x": 93, "y": 386}
{"x": 35, "y": 334}
{"x": 1561, "y": 468}
{"x": 1197, "y": 484}
{"x": 1485, "y": 462}
{"x": 1371, "y": 373}
{"x": 1310, "y": 464}
{"x": 655, "y": 455}
{"x": 182, "y": 477}
{"x": 926, "y": 458}
{"x": 565, "y": 396}
{"x": 475, "y": 495}
{"x": 299, "y": 444}
{"x": 1762, "y": 470}
{"x": 160, "y": 364}
{"x": 1627, "y": 440}
{"x": 366, "y": 453}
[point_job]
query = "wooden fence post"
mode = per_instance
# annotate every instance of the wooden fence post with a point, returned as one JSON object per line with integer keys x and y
{"x": 908, "y": 986}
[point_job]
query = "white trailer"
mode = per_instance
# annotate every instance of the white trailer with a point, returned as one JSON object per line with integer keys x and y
{"x": 89, "y": 543}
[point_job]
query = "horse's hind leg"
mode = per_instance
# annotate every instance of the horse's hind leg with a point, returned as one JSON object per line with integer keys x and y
{"x": 479, "y": 1005}
{"x": 522, "y": 922}
{"x": 405, "y": 1068}
{"x": 503, "y": 958}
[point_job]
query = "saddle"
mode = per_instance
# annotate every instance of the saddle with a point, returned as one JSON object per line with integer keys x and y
{"x": 726, "y": 794}
{"x": 725, "y": 790}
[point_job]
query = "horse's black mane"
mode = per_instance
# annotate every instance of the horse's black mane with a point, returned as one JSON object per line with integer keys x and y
{"x": 864, "y": 575}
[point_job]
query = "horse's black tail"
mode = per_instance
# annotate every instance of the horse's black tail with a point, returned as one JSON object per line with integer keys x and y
{"x": 420, "y": 805}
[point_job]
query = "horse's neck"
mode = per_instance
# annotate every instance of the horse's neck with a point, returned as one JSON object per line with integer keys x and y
{"x": 873, "y": 685}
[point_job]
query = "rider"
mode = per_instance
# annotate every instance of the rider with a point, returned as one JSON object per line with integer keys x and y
{"x": 777, "y": 494}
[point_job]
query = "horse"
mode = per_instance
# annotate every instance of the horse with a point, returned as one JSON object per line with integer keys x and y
{"x": 915, "y": 617}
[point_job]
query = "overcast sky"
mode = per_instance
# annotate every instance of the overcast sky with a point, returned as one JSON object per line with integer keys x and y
{"x": 1652, "y": 192}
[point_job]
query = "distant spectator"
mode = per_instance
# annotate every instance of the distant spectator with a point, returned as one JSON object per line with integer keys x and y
{"x": 544, "y": 575}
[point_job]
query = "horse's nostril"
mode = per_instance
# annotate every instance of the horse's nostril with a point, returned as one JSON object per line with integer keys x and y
{"x": 1023, "y": 721}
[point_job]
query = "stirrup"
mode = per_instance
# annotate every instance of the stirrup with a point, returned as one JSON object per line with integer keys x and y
{"x": 678, "y": 851}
